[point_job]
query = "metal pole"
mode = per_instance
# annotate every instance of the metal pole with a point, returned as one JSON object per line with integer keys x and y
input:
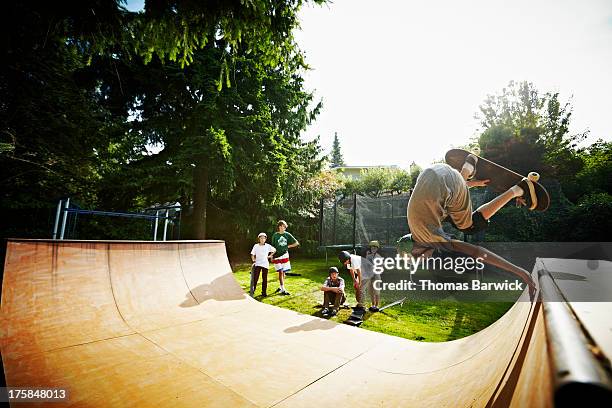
{"x": 57, "y": 217}
{"x": 354, "y": 219}
{"x": 166, "y": 224}
{"x": 178, "y": 228}
{"x": 334, "y": 222}
{"x": 66, "y": 205}
{"x": 321, "y": 223}
{"x": 156, "y": 224}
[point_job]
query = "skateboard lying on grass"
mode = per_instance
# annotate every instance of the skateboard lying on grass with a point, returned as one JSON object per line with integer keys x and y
{"x": 356, "y": 318}
{"x": 501, "y": 178}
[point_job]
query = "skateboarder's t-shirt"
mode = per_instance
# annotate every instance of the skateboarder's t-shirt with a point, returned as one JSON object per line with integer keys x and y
{"x": 440, "y": 191}
{"x": 339, "y": 283}
{"x": 364, "y": 265}
{"x": 281, "y": 242}
{"x": 261, "y": 254}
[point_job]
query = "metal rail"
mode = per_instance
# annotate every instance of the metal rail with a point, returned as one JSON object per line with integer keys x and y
{"x": 578, "y": 375}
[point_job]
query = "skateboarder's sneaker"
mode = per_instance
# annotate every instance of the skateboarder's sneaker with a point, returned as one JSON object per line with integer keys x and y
{"x": 529, "y": 193}
{"x": 470, "y": 165}
{"x": 285, "y": 293}
{"x": 277, "y": 290}
{"x": 325, "y": 312}
{"x": 333, "y": 312}
{"x": 373, "y": 309}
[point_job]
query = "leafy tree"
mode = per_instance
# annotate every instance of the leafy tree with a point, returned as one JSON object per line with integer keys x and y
{"x": 377, "y": 181}
{"x": 415, "y": 171}
{"x": 237, "y": 148}
{"x": 526, "y": 131}
{"x": 78, "y": 102}
{"x": 336, "y": 155}
{"x": 596, "y": 173}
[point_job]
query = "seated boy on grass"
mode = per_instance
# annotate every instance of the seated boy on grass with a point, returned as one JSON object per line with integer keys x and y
{"x": 333, "y": 293}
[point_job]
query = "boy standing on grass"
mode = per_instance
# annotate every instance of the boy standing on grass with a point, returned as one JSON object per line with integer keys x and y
{"x": 282, "y": 241}
{"x": 333, "y": 292}
{"x": 362, "y": 272}
{"x": 260, "y": 254}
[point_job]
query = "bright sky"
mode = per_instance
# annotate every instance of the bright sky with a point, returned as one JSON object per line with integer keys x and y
{"x": 402, "y": 80}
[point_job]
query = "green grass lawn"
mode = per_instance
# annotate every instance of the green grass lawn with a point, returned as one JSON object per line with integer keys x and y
{"x": 433, "y": 321}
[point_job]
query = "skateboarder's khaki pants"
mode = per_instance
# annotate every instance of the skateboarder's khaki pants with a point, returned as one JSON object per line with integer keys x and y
{"x": 440, "y": 191}
{"x": 333, "y": 298}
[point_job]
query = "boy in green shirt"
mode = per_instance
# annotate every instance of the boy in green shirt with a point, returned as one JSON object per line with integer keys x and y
{"x": 282, "y": 241}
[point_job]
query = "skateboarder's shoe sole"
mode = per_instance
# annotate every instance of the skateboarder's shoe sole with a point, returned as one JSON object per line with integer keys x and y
{"x": 529, "y": 192}
{"x": 373, "y": 309}
{"x": 470, "y": 162}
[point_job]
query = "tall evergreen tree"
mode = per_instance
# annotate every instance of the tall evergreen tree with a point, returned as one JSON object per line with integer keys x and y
{"x": 336, "y": 155}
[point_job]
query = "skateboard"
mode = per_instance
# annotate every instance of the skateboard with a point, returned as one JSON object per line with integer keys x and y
{"x": 501, "y": 178}
{"x": 397, "y": 302}
{"x": 356, "y": 318}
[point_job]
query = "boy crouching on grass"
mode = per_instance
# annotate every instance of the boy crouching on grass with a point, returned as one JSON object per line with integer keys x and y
{"x": 261, "y": 254}
{"x": 333, "y": 293}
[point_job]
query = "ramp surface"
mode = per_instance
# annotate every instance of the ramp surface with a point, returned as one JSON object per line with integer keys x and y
{"x": 165, "y": 324}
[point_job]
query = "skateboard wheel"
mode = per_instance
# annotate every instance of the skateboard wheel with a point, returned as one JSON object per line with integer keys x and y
{"x": 533, "y": 176}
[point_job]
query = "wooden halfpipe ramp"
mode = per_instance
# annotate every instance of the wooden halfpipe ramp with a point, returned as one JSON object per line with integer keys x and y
{"x": 166, "y": 324}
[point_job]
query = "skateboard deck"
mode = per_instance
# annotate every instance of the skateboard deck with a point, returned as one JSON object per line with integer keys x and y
{"x": 501, "y": 178}
{"x": 397, "y": 302}
{"x": 356, "y": 317}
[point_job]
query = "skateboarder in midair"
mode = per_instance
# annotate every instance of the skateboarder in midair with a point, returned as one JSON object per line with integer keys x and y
{"x": 441, "y": 193}
{"x": 282, "y": 240}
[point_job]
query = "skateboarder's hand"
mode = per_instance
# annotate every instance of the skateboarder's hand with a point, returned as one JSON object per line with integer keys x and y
{"x": 520, "y": 201}
{"x": 477, "y": 183}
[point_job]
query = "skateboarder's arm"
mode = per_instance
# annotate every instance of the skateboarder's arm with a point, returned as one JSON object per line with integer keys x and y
{"x": 477, "y": 183}
{"x": 295, "y": 244}
{"x": 253, "y": 258}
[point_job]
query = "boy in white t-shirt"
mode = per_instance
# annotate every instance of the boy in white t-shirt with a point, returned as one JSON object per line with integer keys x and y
{"x": 261, "y": 254}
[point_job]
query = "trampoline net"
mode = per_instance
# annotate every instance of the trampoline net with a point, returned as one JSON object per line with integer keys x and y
{"x": 362, "y": 219}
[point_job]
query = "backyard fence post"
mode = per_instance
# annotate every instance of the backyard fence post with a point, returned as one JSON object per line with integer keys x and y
{"x": 354, "y": 220}
{"x": 321, "y": 223}
{"x": 166, "y": 224}
{"x": 66, "y": 205}
{"x": 57, "y": 217}
{"x": 156, "y": 224}
{"x": 334, "y": 222}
